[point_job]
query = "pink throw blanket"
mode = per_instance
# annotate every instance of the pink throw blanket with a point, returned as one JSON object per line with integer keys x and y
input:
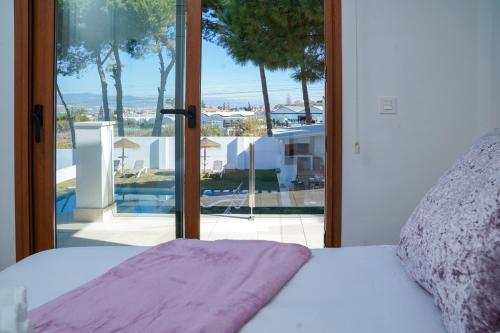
{"x": 179, "y": 286}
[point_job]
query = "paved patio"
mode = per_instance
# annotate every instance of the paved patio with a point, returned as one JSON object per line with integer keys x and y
{"x": 151, "y": 230}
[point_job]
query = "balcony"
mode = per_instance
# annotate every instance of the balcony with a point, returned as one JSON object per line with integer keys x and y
{"x": 151, "y": 230}
{"x": 134, "y": 202}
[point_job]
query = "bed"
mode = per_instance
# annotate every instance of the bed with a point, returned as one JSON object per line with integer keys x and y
{"x": 353, "y": 289}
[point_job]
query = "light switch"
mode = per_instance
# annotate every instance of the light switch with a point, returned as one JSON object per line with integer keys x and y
{"x": 388, "y": 105}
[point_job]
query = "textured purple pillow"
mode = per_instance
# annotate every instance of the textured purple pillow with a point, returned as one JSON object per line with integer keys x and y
{"x": 451, "y": 243}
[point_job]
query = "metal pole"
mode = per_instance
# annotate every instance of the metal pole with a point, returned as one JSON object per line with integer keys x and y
{"x": 204, "y": 160}
{"x": 123, "y": 159}
{"x": 251, "y": 180}
{"x": 180, "y": 42}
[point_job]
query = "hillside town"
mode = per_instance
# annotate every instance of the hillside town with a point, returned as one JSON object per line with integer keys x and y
{"x": 221, "y": 120}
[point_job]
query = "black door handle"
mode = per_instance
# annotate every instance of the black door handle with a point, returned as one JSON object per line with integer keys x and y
{"x": 37, "y": 120}
{"x": 190, "y": 114}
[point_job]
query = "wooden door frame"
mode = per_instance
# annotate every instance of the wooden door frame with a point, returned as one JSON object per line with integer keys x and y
{"x": 22, "y": 127}
{"x": 31, "y": 51}
{"x": 30, "y": 77}
{"x": 333, "y": 123}
{"x": 192, "y": 135}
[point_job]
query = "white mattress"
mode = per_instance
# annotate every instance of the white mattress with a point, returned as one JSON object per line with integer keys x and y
{"x": 357, "y": 289}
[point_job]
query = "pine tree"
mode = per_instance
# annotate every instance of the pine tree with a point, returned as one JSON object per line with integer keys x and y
{"x": 72, "y": 58}
{"x": 156, "y": 20}
{"x": 279, "y": 34}
{"x": 236, "y": 26}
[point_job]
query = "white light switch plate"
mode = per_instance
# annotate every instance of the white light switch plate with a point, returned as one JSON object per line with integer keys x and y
{"x": 388, "y": 105}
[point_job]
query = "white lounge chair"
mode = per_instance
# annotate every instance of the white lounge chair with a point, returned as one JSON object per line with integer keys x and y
{"x": 234, "y": 199}
{"x": 137, "y": 170}
{"x": 218, "y": 169}
{"x": 117, "y": 166}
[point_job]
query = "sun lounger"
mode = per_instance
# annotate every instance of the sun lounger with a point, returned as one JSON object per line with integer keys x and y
{"x": 218, "y": 169}
{"x": 137, "y": 170}
{"x": 117, "y": 166}
{"x": 234, "y": 199}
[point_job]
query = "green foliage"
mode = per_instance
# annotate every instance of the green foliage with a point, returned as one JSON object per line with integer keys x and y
{"x": 271, "y": 34}
{"x": 89, "y": 27}
{"x": 104, "y": 23}
{"x": 156, "y": 20}
{"x": 96, "y": 31}
{"x": 211, "y": 130}
{"x": 168, "y": 130}
{"x": 265, "y": 180}
{"x": 237, "y": 25}
{"x": 133, "y": 128}
{"x": 64, "y": 137}
{"x": 72, "y": 56}
{"x": 280, "y": 34}
{"x": 300, "y": 36}
{"x": 79, "y": 115}
{"x": 250, "y": 127}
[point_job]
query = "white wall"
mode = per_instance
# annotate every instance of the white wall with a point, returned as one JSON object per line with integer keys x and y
{"x": 489, "y": 64}
{"x": 7, "y": 230}
{"x": 424, "y": 52}
{"x": 486, "y": 65}
{"x": 495, "y": 82}
{"x": 159, "y": 153}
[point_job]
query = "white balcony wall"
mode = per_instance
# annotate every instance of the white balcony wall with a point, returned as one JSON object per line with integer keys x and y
{"x": 159, "y": 153}
{"x": 65, "y": 158}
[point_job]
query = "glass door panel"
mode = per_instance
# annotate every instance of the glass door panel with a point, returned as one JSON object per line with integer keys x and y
{"x": 262, "y": 127}
{"x": 118, "y": 64}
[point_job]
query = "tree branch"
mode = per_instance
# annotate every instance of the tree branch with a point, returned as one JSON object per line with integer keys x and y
{"x": 107, "y": 56}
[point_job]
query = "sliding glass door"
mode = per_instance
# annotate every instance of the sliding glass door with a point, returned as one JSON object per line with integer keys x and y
{"x": 153, "y": 120}
{"x": 262, "y": 122}
{"x": 118, "y": 175}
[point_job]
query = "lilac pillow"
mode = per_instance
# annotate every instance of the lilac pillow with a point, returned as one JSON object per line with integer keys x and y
{"x": 451, "y": 243}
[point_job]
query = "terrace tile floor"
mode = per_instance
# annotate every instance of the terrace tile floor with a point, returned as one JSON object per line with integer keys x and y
{"x": 151, "y": 230}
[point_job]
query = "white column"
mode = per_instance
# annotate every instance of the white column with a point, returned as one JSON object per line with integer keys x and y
{"x": 94, "y": 171}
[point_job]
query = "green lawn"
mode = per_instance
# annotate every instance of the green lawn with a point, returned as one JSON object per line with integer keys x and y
{"x": 153, "y": 178}
{"x": 264, "y": 180}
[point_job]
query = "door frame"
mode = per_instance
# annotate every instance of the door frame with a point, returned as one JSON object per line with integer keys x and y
{"x": 333, "y": 123}
{"x": 22, "y": 127}
{"x": 192, "y": 135}
{"x": 33, "y": 48}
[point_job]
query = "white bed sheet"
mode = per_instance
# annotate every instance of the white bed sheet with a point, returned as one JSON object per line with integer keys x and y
{"x": 357, "y": 289}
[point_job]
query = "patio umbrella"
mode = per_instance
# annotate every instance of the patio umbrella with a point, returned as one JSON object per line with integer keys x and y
{"x": 207, "y": 143}
{"x": 125, "y": 143}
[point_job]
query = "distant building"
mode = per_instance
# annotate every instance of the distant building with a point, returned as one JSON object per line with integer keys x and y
{"x": 302, "y": 152}
{"x": 294, "y": 114}
{"x": 208, "y": 119}
{"x": 226, "y": 118}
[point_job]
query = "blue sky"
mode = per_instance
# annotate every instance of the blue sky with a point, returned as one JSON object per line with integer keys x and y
{"x": 222, "y": 81}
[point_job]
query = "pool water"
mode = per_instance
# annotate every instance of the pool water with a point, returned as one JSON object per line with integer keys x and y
{"x": 129, "y": 200}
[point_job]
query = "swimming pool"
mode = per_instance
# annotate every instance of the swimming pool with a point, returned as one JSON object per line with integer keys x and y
{"x": 129, "y": 200}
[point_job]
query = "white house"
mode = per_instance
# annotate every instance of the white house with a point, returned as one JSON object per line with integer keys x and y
{"x": 226, "y": 118}
{"x": 296, "y": 113}
{"x": 302, "y": 152}
{"x": 212, "y": 119}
